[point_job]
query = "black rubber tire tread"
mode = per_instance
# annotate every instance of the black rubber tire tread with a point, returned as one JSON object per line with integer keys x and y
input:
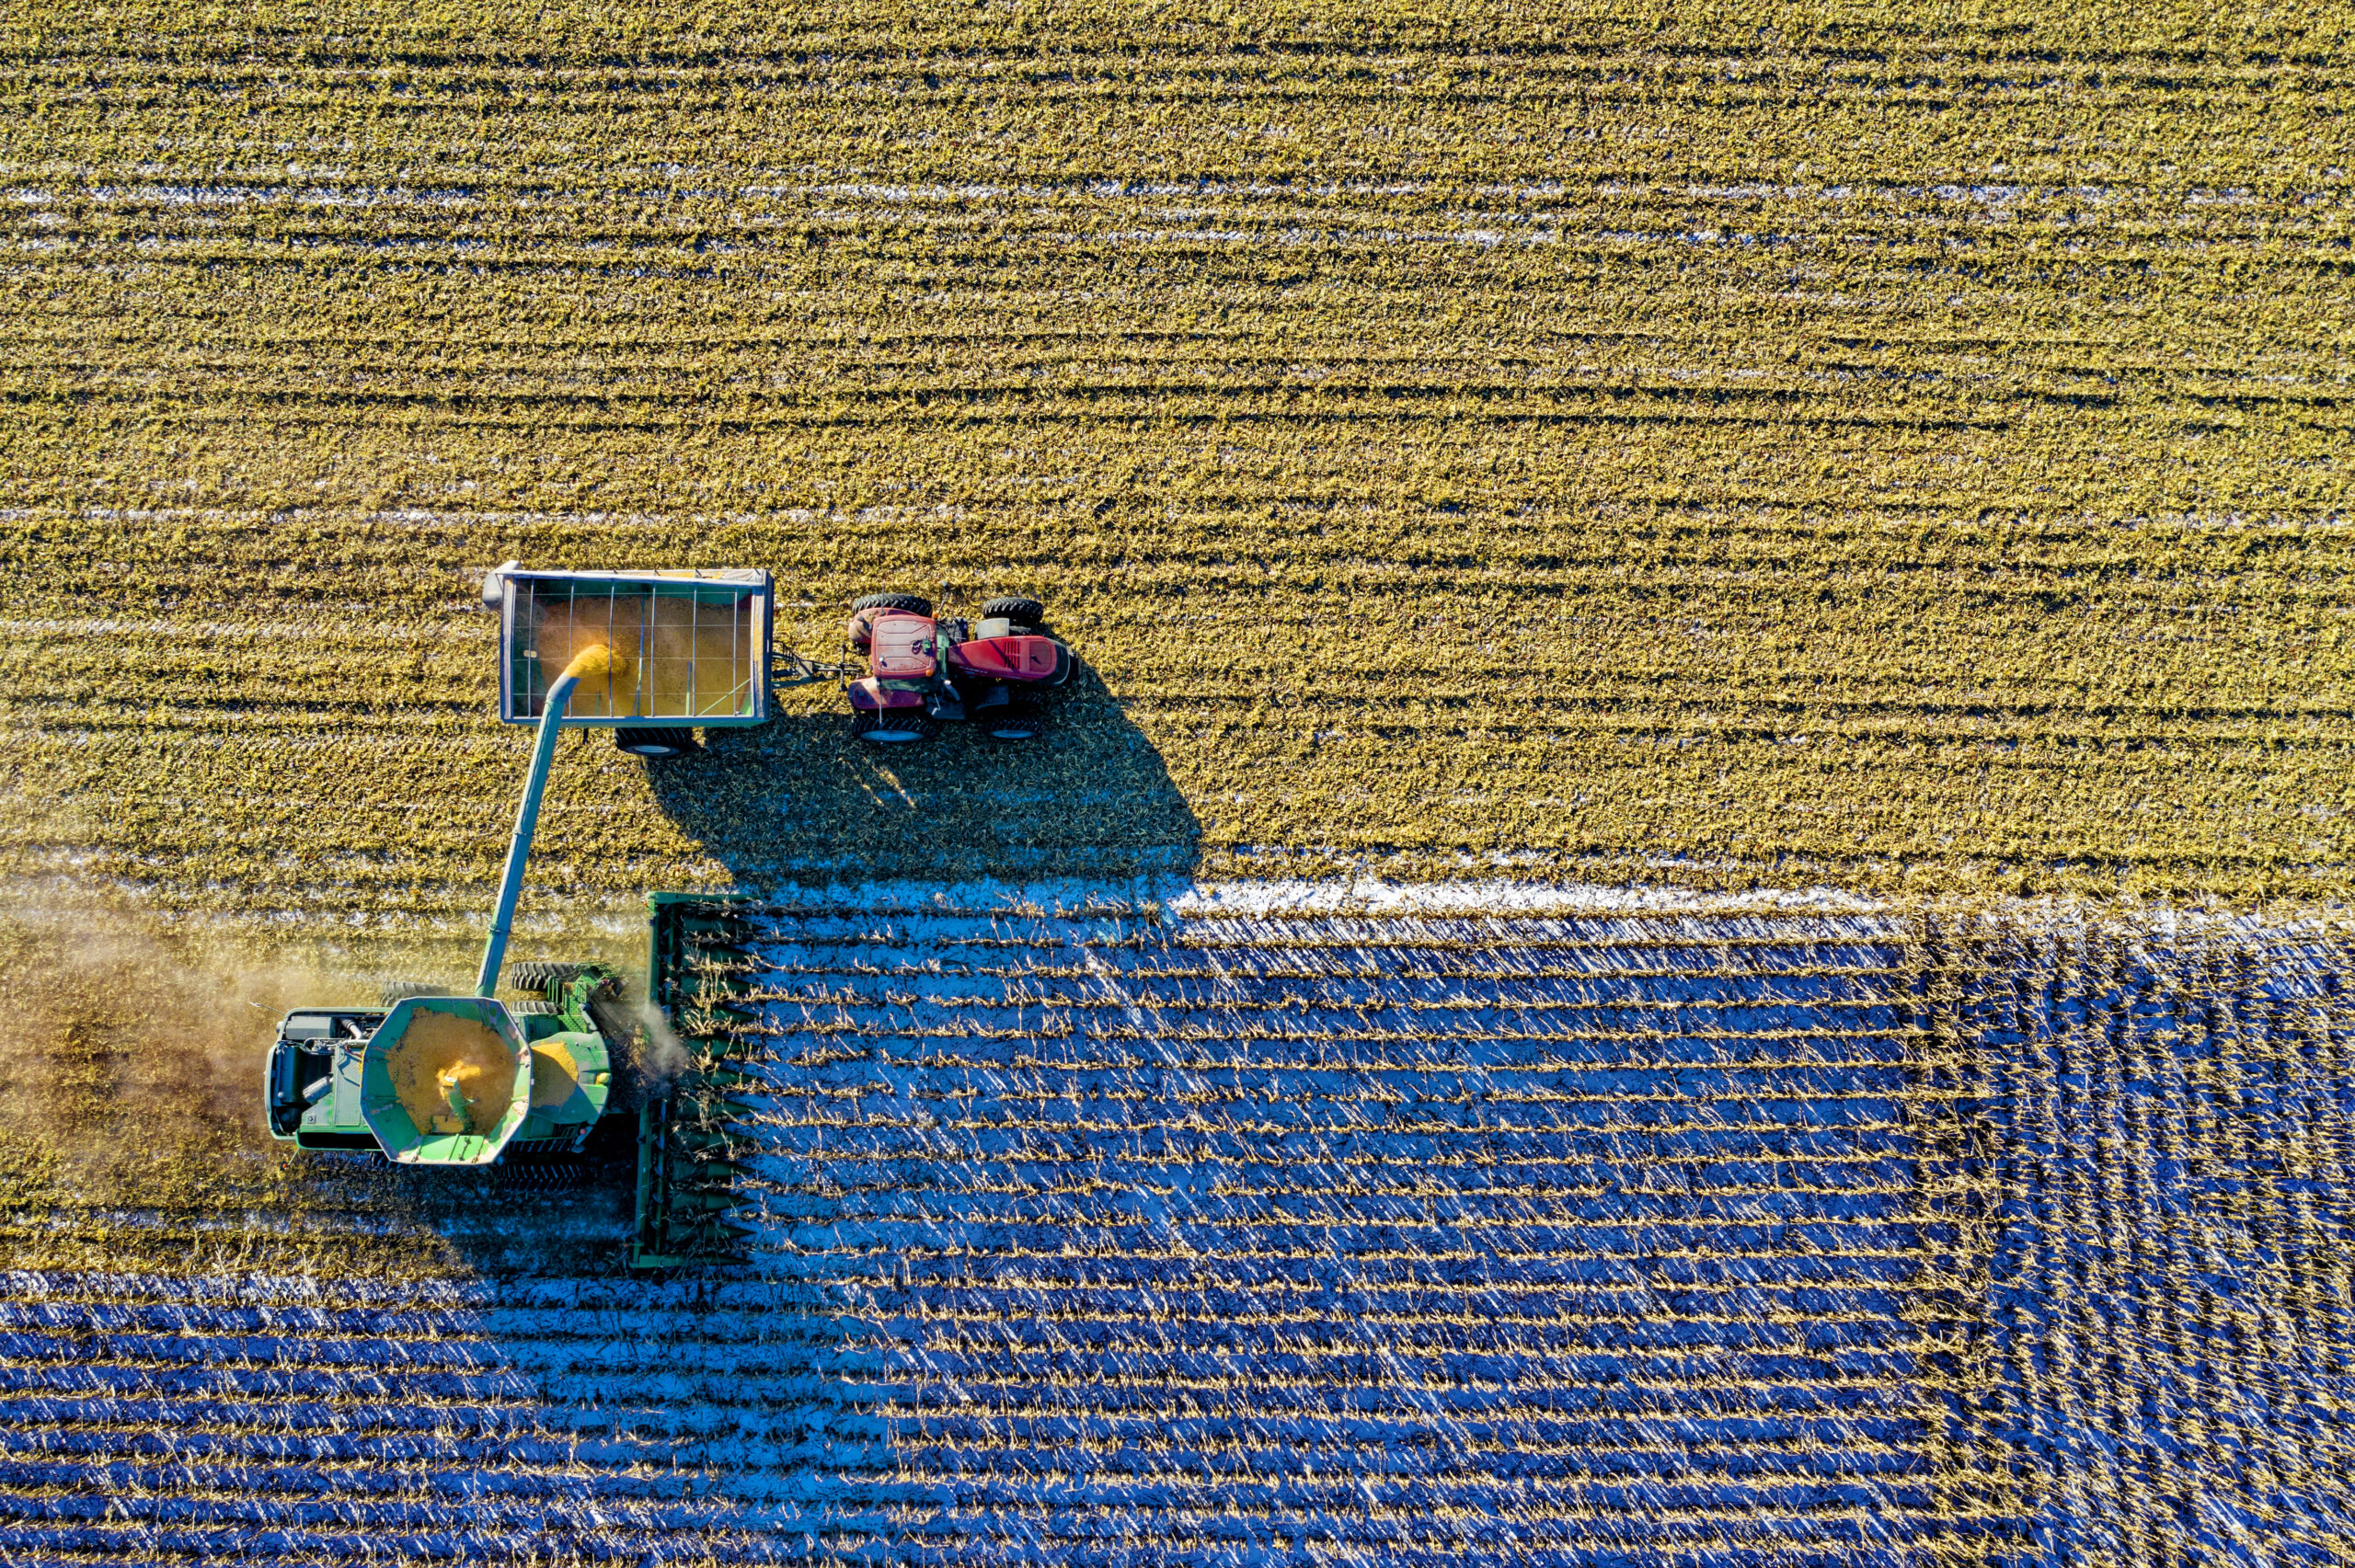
{"x": 401, "y": 991}
{"x": 862, "y": 720}
{"x": 914, "y": 604}
{"x": 1021, "y": 612}
{"x": 538, "y": 974}
{"x": 532, "y": 1009}
{"x": 657, "y": 744}
{"x": 543, "y": 1173}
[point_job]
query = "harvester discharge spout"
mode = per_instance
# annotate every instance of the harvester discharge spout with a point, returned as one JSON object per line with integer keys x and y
{"x": 595, "y": 662}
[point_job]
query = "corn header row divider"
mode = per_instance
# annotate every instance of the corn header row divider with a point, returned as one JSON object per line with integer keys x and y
{"x": 688, "y": 1155}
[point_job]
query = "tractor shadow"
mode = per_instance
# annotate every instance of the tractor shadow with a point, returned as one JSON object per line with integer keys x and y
{"x": 798, "y": 800}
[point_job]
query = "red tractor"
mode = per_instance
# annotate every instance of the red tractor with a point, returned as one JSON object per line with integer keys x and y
{"x": 994, "y": 672}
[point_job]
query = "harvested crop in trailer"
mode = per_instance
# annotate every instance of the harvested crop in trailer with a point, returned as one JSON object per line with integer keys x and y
{"x": 680, "y": 657}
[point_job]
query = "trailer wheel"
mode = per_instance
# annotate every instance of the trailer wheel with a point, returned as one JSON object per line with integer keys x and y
{"x": 892, "y": 726}
{"x": 655, "y": 742}
{"x": 401, "y": 991}
{"x": 914, "y": 604}
{"x": 537, "y": 973}
{"x": 1021, "y": 612}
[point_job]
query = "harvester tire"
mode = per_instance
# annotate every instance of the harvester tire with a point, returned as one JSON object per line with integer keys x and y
{"x": 914, "y": 604}
{"x": 401, "y": 991}
{"x": 532, "y": 1009}
{"x": 892, "y": 726}
{"x": 1021, "y": 612}
{"x": 537, "y": 973}
{"x": 656, "y": 743}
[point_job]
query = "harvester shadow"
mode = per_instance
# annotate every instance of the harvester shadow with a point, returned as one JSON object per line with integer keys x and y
{"x": 800, "y": 800}
{"x": 516, "y": 1218}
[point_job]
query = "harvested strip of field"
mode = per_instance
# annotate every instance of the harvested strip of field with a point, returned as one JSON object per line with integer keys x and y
{"x": 1422, "y": 1226}
{"x": 1687, "y": 450}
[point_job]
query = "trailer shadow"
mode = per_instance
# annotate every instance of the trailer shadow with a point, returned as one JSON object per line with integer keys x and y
{"x": 798, "y": 800}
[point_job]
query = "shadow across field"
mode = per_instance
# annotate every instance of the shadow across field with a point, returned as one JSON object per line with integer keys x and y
{"x": 798, "y": 799}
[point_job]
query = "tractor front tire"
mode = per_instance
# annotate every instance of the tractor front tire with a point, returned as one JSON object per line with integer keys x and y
{"x": 401, "y": 991}
{"x": 536, "y": 973}
{"x": 1021, "y": 612}
{"x": 912, "y": 603}
{"x": 655, "y": 744}
{"x": 892, "y": 726}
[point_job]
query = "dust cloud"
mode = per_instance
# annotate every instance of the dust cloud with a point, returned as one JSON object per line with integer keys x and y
{"x": 662, "y": 1056}
{"x": 123, "y": 1033}
{"x": 114, "y": 1029}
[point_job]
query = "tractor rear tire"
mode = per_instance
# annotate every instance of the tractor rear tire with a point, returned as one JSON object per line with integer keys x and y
{"x": 532, "y": 1009}
{"x": 911, "y": 603}
{"x": 401, "y": 991}
{"x": 537, "y": 973}
{"x": 892, "y": 726}
{"x": 656, "y": 743}
{"x": 1021, "y": 612}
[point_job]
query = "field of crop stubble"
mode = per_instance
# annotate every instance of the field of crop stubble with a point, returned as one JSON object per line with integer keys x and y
{"x": 1810, "y": 447}
{"x": 1799, "y": 447}
{"x": 1264, "y": 1225}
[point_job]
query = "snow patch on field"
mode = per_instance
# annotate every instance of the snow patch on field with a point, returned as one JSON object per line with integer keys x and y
{"x": 1290, "y": 1221}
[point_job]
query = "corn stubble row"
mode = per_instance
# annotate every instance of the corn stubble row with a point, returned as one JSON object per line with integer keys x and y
{"x": 1689, "y": 453}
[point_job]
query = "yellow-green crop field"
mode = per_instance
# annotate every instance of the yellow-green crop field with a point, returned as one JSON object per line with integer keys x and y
{"x": 1784, "y": 446}
{"x": 1699, "y": 450}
